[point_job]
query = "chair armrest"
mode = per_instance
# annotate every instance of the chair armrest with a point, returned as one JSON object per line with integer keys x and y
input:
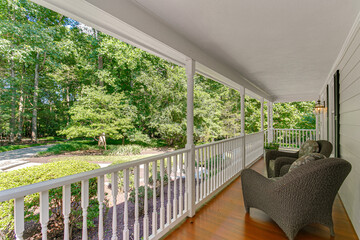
{"x": 281, "y": 161}
{"x": 273, "y": 154}
{"x": 253, "y": 183}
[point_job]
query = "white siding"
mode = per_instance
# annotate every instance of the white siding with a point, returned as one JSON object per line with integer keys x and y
{"x": 349, "y": 66}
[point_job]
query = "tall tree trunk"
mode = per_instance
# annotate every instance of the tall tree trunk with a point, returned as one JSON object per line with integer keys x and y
{"x": 100, "y": 58}
{"x": 13, "y": 92}
{"x": 21, "y": 108}
{"x": 21, "y": 114}
{"x": 100, "y": 67}
{"x": 35, "y": 101}
{"x": 68, "y": 103}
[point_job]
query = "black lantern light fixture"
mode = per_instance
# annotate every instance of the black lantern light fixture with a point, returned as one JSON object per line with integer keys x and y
{"x": 319, "y": 107}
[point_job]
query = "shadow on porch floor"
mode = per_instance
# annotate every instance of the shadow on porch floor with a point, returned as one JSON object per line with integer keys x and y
{"x": 224, "y": 217}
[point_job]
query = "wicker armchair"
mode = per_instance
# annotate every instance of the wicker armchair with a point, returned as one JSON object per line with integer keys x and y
{"x": 283, "y": 160}
{"x": 304, "y": 195}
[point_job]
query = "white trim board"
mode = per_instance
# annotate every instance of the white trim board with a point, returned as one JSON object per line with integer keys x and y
{"x": 353, "y": 31}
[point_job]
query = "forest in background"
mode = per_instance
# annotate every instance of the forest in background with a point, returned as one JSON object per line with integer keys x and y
{"x": 59, "y": 77}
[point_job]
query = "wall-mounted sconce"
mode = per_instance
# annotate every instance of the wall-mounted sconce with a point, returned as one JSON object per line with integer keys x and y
{"x": 319, "y": 107}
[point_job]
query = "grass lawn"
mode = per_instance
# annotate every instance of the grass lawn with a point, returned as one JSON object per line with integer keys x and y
{"x": 103, "y": 159}
{"x": 69, "y": 147}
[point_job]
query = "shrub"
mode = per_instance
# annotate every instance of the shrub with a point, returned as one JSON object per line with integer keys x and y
{"x": 141, "y": 197}
{"x": 274, "y": 146}
{"x": 138, "y": 136}
{"x": 42, "y": 173}
{"x": 123, "y": 150}
{"x": 158, "y": 179}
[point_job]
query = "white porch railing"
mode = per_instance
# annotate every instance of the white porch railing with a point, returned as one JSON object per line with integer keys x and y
{"x": 254, "y": 147}
{"x": 216, "y": 164}
{"x": 290, "y": 138}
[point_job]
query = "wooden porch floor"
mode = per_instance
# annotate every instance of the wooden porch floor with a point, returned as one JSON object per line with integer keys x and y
{"x": 224, "y": 217}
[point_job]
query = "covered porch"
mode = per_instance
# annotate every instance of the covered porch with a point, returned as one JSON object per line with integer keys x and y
{"x": 290, "y": 62}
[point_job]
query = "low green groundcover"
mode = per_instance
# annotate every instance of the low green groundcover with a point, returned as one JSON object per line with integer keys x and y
{"x": 42, "y": 173}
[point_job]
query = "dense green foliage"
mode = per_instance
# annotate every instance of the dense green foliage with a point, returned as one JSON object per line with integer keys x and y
{"x": 122, "y": 150}
{"x": 60, "y": 77}
{"x": 42, "y": 173}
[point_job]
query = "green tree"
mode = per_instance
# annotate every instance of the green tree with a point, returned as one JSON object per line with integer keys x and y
{"x": 97, "y": 112}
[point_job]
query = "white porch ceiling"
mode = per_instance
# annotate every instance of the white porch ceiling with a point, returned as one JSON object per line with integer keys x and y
{"x": 281, "y": 50}
{"x": 287, "y": 48}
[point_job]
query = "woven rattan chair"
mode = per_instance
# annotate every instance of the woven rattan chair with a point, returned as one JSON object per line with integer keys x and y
{"x": 283, "y": 160}
{"x": 305, "y": 195}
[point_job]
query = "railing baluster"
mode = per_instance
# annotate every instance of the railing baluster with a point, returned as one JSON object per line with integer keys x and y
{"x": 197, "y": 155}
{"x": 114, "y": 192}
{"x": 101, "y": 196}
{"x": 202, "y": 186}
{"x": 146, "y": 217}
{"x": 136, "y": 224}
{"x": 211, "y": 169}
{"x": 206, "y": 173}
{"x": 168, "y": 207}
{"x": 126, "y": 209}
{"x": 44, "y": 213}
{"x": 181, "y": 198}
{"x": 186, "y": 183}
{"x": 84, "y": 205}
{"x": 228, "y": 160}
{"x": 66, "y": 199}
{"x": 175, "y": 187}
{"x": 154, "y": 214}
{"x": 231, "y": 170}
{"x": 222, "y": 163}
{"x": 162, "y": 207}
{"x": 19, "y": 218}
{"x": 217, "y": 165}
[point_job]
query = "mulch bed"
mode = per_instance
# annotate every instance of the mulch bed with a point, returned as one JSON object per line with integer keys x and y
{"x": 93, "y": 233}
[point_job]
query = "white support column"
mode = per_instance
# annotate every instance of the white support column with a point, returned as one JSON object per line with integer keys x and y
{"x": 190, "y": 72}
{"x": 242, "y": 117}
{"x": 270, "y": 122}
{"x": 262, "y": 114}
{"x": 317, "y": 115}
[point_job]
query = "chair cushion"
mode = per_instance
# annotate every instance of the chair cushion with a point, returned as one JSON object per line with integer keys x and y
{"x": 306, "y": 159}
{"x": 272, "y": 166}
{"x": 310, "y": 146}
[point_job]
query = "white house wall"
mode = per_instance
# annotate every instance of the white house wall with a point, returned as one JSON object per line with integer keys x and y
{"x": 349, "y": 65}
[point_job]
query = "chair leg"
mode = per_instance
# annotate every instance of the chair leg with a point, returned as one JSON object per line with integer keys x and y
{"x": 247, "y": 208}
{"x": 332, "y": 233}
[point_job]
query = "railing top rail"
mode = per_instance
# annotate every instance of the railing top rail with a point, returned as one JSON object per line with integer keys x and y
{"x": 217, "y": 142}
{"x": 256, "y": 133}
{"x": 226, "y": 140}
{"x": 58, "y": 182}
{"x": 296, "y": 129}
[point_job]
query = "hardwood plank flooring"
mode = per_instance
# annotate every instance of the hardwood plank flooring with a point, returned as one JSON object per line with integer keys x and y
{"x": 224, "y": 217}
